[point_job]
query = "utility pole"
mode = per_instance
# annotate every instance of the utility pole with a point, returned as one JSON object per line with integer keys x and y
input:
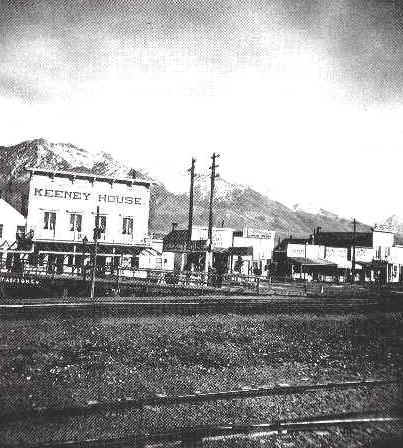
{"x": 190, "y": 224}
{"x": 213, "y": 176}
{"x": 353, "y": 251}
{"x": 94, "y": 264}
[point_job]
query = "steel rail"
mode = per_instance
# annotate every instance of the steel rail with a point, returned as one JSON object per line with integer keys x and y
{"x": 199, "y": 433}
{"x": 171, "y": 400}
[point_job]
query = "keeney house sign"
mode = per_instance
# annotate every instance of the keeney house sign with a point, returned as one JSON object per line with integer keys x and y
{"x": 81, "y": 195}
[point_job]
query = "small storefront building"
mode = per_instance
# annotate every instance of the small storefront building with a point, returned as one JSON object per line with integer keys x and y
{"x": 247, "y": 251}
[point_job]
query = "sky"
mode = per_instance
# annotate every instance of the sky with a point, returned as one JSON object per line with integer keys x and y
{"x": 303, "y": 99}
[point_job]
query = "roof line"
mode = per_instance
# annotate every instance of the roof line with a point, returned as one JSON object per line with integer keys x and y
{"x": 89, "y": 176}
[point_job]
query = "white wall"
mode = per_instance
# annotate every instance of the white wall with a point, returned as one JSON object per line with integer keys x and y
{"x": 64, "y": 196}
{"x": 222, "y": 236}
{"x": 364, "y": 254}
{"x": 10, "y": 218}
{"x": 311, "y": 251}
{"x": 382, "y": 239}
{"x": 262, "y": 248}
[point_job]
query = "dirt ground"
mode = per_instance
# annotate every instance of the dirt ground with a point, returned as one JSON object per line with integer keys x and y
{"x": 58, "y": 362}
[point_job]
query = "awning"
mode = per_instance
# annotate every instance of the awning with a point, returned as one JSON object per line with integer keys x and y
{"x": 219, "y": 250}
{"x": 241, "y": 251}
{"x": 313, "y": 262}
{"x": 150, "y": 251}
{"x": 364, "y": 264}
{"x": 374, "y": 264}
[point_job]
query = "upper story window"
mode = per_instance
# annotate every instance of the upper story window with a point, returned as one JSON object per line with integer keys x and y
{"x": 75, "y": 222}
{"x": 127, "y": 228}
{"x": 21, "y": 231}
{"x": 1, "y": 231}
{"x": 101, "y": 225}
{"x": 49, "y": 220}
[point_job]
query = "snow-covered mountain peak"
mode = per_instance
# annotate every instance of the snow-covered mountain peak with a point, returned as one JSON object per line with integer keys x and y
{"x": 222, "y": 190}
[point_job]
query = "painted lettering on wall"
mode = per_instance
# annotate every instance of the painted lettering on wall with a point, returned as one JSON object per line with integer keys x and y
{"x": 128, "y": 200}
{"x": 82, "y": 196}
{"x": 61, "y": 194}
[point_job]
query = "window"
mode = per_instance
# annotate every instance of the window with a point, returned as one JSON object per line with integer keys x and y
{"x": 1, "y": 231}
{"x": 32, "y": 259}
{"x": 75, "y": 222}
{"x": 101, "y": 223}
{"x": 135, "y": 262}
{"x": 127, "y": 226}
{"x": 20, "y": 231}
{"x": 49, "y": 221}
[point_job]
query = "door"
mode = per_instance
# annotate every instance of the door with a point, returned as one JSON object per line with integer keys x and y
{"x": 59, "y": 264}
{"x": 101, "y": 265}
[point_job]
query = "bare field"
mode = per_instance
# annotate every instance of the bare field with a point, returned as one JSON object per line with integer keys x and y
{"x": 58, "y": 362}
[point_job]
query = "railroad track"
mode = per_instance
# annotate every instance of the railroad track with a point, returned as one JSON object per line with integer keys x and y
{"x": 192, "y": 436}
{"x": 254, "y": 304}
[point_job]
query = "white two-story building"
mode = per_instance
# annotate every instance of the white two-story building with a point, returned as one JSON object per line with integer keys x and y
{"x": 65, "y": 207}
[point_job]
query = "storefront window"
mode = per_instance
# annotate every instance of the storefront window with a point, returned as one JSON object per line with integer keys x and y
{"x": 127, "y": 226}
{"x": 49, "y": 221}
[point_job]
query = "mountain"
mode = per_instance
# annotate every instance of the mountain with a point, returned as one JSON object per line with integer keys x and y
{"x": 396, "y": 222}
{"x": 40, "y": 153}
{"x": 234, "y": 206}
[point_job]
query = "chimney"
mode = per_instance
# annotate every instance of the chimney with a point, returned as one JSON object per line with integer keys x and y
{"x": 174, "y": 226}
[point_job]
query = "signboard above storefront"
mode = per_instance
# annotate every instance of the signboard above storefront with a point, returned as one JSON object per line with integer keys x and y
{"x": 258, "y": 233}
{"x": 385, "y": 228}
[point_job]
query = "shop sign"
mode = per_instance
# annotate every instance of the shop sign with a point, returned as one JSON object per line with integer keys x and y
{"x": 305, "y": 251}
{"x": 258, "y": 233}
{"x": 364, "y": 254}
{"x": 385, "y": 228}
{"x": 336, "y": 254}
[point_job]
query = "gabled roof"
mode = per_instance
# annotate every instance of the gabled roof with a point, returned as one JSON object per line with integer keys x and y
{"x": 6, "y": 208}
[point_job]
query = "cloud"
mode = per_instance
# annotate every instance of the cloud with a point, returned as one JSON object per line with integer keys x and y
{"x": 361, "y": 40}
{"x": 23, "y": 89}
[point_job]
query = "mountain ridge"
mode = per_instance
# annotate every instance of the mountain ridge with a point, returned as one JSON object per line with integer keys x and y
{"x": 235, "y": 205}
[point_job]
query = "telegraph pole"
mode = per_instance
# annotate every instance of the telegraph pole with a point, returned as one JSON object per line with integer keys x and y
{"x": 94, "y": 264}
{"x": 353, "y": 251}
{"x": 190, "y": 224}
{"x": 213, "y": 176}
